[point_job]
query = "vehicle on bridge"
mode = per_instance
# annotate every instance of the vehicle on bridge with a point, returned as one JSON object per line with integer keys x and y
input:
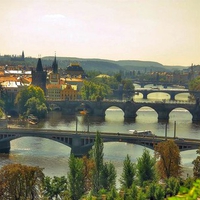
{"x": 141, "y": 133}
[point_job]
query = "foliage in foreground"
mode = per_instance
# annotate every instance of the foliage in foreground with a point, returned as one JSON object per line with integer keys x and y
{"x": 21, "y": 182}
{"x": 91, "y": 178}
{"x": 193, "y": 194}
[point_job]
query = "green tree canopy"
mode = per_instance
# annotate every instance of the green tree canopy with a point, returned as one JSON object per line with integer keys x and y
{"x": 55, "y": 187}
{"x": 196, "y": 167}
{"x": 76, "y": 177}
{"x": 146, "y": 167}
{"x": 94, "y": 91}
{"x": 194, "y": 85}
{"x": 172, "y": 186}
{"x": 35, "y": 107}
{"x": 97, "y": 156}
{"x": 108, "y": 176}
{"x": 128, "y": 174}
{"x": 31, "y": 98}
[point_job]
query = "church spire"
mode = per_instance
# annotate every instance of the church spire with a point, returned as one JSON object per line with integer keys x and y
{"x": 55, "y": 66}
{"x": 39, "y": 67}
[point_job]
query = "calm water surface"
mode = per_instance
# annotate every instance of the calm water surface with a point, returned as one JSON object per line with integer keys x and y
{"x": 53, "y": 156}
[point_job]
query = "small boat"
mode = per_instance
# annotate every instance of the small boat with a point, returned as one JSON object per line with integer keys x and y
{"x": 32, "y": 119}
{"x": 142, "y": 133}
{"x": 32, "y": 122}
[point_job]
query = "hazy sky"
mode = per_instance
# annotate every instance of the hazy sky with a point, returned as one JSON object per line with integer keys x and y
{"x": 166, "y": 31}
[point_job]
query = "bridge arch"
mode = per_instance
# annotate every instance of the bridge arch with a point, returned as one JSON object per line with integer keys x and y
{"x": 185, "y": 111}
{"x": 147, "y": 112}
{"x": 114, "y": 108}
{"x": 81, "y": 142}
{"x": 55, "y": 139}
{"x": 182, "y": 96}
{"x": 158, "y": 96}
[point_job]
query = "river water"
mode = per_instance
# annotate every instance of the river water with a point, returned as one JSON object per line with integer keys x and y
{"x": 53, "y": 156}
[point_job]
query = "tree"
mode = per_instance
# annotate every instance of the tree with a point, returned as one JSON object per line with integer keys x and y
{"x": 118, "y": 77}
{"x": 169, "y": 163}
{"x": 20, "y": 182}
{"x": 128, "y": 84}
{"x": 172, "y": 186}
{"x": 128, "y": 88}
{"x": 91, "y": 91}
{"x": 35, "y": 107}
{"x": 133, "y": 192}
{"x": 146, "y": 168}
{"x": 25, "y": 97}
{"x": 108, "y": 176}
{"x": 6, "y": 100}
{"x": 155, "y": 192}
{"x": 194, "y": 85}
{"x": 88, "y": 173}
{"x": 97, "y": 155}
{"x": 196, "y": 163}
{"x": 113, "y": 195}
{"x": 75, "y": 177}
{"x": 128, "y": 174}
{"x": 54, "y": 187}
{"x": 141, "y": 195}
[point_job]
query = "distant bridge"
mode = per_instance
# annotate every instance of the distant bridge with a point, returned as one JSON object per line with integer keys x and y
{"x": 130, "y": 108}
{"x": 81, "y": 142}
{"x": 156, "y": 82}
{"x": 171, "y": 92}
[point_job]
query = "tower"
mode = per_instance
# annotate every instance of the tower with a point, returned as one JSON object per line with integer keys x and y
{"x": 55, "y": 66}
{"x": 39, "y": 76}
{"x": 23, "y": 55}
{"x": 54, "y": 77}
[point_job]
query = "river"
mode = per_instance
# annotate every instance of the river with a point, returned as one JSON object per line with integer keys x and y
{"x": 53, "y": 156}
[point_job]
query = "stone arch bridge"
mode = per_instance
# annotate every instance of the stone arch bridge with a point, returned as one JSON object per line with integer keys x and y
{"x": 129, "y": 108}
{"x": 171, "y": 92}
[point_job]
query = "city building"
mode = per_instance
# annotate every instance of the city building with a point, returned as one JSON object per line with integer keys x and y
{"x": 57, "y": 88}
{"x": 75, "y": 70}
{"x": 69, "y": 92}
{"x": 39, "y": 76}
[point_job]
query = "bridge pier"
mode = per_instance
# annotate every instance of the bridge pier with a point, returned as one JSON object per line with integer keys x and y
{"x": 130, "y": 115}
{"x": 172, "y": 97}
{"x": 196, "y": 113}
{"x": 80, "y": 151}
{"x": 4, "y": 146}
{"x": 145, "y": 93}
{"x": 78, "y": 148}
{"x": 130, "y": 110}
{"x": 163, "y": 115}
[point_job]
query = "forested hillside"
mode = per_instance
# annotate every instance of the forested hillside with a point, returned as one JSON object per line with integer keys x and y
{"x": 101, "y": 65}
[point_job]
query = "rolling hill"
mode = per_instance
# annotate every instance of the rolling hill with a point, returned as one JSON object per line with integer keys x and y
{"x": 101, "y": 65}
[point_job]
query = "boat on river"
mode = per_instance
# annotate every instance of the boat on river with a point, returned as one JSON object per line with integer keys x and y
{"x": 142, "y": 133}
{"x": 32, "y": 119}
